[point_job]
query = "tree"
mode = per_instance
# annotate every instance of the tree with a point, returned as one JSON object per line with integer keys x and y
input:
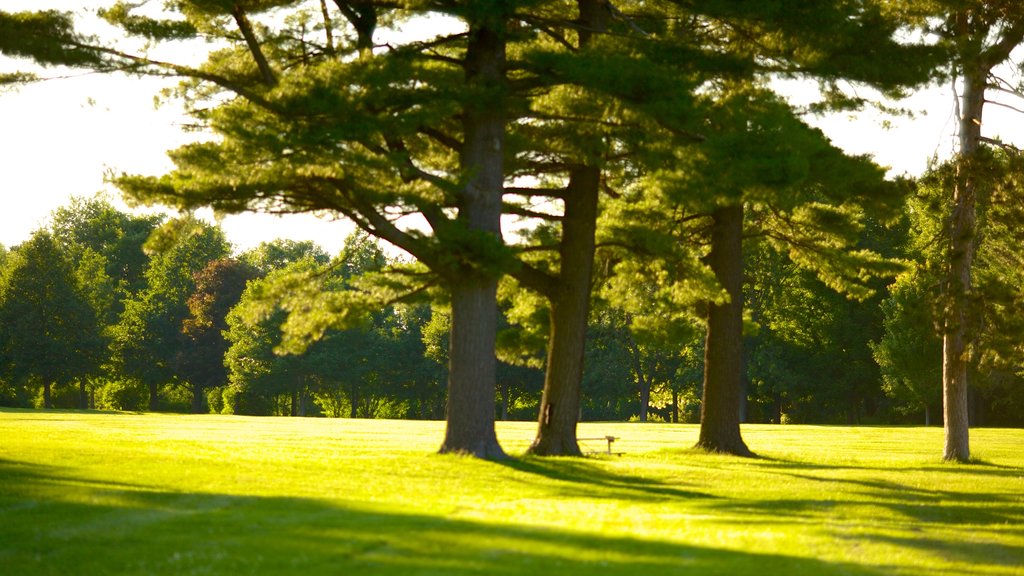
{"x": 909, "y": 352}
{"x": 346, "y": 364}
{"x": 979, "y": 36}
{"x": 118, "y": 237}
{"x": 275, "y": 255}
{"x": 48, "y": 330}
{"x": 200, "y": 361}
{"x": 396, "y": 149}
{"x": 147, "y": 338}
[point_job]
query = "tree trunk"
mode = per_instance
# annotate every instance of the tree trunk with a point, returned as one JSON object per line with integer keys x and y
{"x": 471, "y": 370}
{"x": 472, "y": 363}
{"x": 570, "y": 310}
{"x": 197, "y": 399}
{"x": 962, "y": 234}
{"x": 47, "y": 395}
{"x": 83, "y": 395}
{"x": 723, "y": 350}
{"x": 154, "y": 397}
{"x": 645, "y": 397}
{"x": 675, "y": 406}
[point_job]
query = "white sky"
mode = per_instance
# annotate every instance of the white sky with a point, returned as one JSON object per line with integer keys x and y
{"x": 59, "y": 137}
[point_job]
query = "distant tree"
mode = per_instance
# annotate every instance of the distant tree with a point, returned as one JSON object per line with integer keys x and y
{"x": 277, "y": 254}
{"x": 48, "y": 330}
{"x": 345, "y": 364}
{"x": 147, "y": 339}
{"x": 200, "y": 361}
{"x": 909, "y": 352}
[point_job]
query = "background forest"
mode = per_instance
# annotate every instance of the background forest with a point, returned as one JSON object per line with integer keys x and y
{"x": 171, "y": 328}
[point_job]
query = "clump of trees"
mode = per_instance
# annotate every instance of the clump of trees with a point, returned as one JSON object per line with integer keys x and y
{"x": 685, "y": 243}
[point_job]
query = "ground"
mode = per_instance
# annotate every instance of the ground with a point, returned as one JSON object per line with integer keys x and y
{"x": 101, "y": 493}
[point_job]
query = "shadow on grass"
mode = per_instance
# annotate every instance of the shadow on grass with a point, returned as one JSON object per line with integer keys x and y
{"x": 950, "y": 506}
{"x": 977, "y": 518}
{"x": 582, "y": 478}
{"x": 89, "y": 528}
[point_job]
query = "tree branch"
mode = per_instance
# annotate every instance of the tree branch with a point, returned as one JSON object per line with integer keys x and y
{"x": 245, "y": 27}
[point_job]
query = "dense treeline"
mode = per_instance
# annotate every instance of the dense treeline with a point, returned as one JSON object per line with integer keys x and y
{"x": 674, "y": 217}
{"x": 98, "y": 315}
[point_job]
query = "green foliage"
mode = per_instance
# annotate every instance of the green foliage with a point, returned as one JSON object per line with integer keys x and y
{"x": 45, "y": 315}
{"x": 270, "y": 256}
{"x": 48, "y": 38}
{"x": 910, "y": 352}
{"x": 125, "y": 395}
{"x": 147, "y": 339}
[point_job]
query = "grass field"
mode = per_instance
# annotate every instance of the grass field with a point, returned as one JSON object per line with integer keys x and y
{"x": 92, "y": 493}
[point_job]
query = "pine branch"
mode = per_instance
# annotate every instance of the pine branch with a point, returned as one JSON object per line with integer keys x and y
{"x": 245, "y": 27}
{"x": 518, "y": 210}
{"x": 531, "y": 192}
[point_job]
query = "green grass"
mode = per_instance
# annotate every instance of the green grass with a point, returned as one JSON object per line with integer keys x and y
{"x": 94, "y": 493}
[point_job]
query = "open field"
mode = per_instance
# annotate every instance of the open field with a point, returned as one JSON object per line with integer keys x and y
{"x": 92, "y": 493}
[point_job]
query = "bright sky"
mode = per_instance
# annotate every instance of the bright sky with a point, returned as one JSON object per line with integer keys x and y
{"x": 59, "y": 137}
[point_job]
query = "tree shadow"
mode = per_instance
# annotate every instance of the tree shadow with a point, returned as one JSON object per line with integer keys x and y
{"x": 100, "y": 528}
{"x": 578, "y": 477}
{"x": 975, "y": 519}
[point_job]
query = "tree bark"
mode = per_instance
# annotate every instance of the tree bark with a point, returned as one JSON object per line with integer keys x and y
{"x": 645, "y": 397}
{"x": 154, "y": 397}
{"x": 723, "y": 350}
{"x": 197, "y": 398}
{"x": 569, "y": 313}
{"x": 675, "y": 406}
{"x": 962, "y": 234}
{"x": 472, "y": 363}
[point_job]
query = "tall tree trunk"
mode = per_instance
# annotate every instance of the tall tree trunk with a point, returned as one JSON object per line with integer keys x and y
{"x": 154, "y": 397}
{"x": 569, "y": 312}
{"x": 474, "y": 322}
{"x": 83, "y": 395}
{"x": 962, "y": 234}
{"x": 645, "y": 397}
{"x": 197, "y": 399}
{"x": 47, "y": 395}
{"x": 675, "y": 406}
{"x": 723, "y": 349}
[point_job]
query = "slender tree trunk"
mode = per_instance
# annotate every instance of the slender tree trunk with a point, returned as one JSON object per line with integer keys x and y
{"x": 47, "y": 396}
{"x": 472, "y": 363}
{"x": 645, "y": 396}
{"x": 963, "y": 228}
{"x": 504, "y": 393}
{"x": 723, "y": 349}
{"x": 154, "y": 397}
{"x": 675, "y": 406}
{"x": 197, "y": 399}
{"x": 83, "y": 395}
{"x": 570, "y": 310}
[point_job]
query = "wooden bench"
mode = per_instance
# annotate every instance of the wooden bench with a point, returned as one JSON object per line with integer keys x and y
{"x": 608, "y": 439}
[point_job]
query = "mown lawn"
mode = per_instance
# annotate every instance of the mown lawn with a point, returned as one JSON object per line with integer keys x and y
{"x": 94, "y": 493}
